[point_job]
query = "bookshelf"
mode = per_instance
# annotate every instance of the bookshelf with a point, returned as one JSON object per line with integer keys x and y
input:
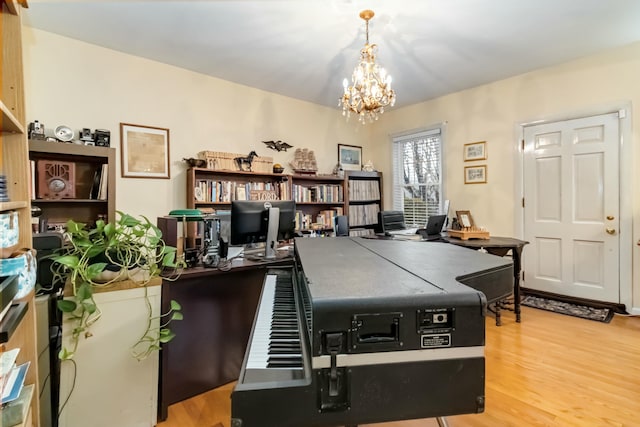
{"x": 213, "y": 190}
{"x": 14, "y": 164}
{"x": 318, "y": 199}
{"x": 363, "y": 201}
{"x": 88, "y": 161}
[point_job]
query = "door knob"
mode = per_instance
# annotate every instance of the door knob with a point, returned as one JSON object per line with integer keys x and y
{"x": 610, "y": 231}
{"x": 610, "y": 217}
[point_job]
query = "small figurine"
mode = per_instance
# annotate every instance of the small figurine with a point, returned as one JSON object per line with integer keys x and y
{"x": 277, "y": 145}
{"x": 368, "y": 167}
{"x": 241, "y": 161}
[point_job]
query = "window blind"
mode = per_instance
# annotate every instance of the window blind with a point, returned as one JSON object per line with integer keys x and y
{"x": 417, "y": 175}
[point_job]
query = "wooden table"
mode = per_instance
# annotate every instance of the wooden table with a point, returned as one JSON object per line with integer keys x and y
{"x": 499, "y": 246}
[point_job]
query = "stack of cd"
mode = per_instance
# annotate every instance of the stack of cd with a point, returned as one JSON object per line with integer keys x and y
{"x": 4, "y": 196}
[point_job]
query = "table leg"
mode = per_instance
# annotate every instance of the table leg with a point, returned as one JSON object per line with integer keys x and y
{"x": 517, "y": 254}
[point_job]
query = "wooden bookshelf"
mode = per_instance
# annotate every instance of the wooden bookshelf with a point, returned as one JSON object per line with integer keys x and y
{"x": 363, "y": 200}
{"x": 88, "y": 160}
{"x": 318, "y": 198}
{"x": 14, "y": 164}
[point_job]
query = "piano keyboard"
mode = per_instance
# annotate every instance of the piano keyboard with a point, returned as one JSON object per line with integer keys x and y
{"x": 275, "y": 351}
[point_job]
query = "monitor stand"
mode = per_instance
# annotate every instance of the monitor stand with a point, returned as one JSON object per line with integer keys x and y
{"x": 271, "y": 244}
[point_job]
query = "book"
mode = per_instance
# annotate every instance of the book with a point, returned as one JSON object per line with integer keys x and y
{"x": 104, "y": 178}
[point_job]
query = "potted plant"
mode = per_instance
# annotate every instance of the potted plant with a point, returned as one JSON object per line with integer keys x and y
{"x": 128, "y": 249}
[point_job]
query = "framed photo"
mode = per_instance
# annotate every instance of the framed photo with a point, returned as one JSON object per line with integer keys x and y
{"x": 475, "y": 151}
{"x": 475, "y": 174}
{"x": 350, "y": 157}
{"x": 144, "y": 151}
{"x": 465, "y": 219}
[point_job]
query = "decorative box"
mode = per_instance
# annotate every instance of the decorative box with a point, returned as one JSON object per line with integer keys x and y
{"x": 22, "y": 263}
{"x": 218, "y": 160}
{"x": 9, "y": 233}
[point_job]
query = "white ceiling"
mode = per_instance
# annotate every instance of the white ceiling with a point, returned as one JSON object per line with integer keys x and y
{"x": 304, "y": 48}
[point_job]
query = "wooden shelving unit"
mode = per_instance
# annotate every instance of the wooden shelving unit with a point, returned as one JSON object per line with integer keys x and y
{"x": 310, "y": 192}
{"x": 88, "y": 160}
{"x": 14, "y": 164}
{"x": 363, "y": 200}
{"x": 316, "y": 197}
{"x": 198, "y": 176}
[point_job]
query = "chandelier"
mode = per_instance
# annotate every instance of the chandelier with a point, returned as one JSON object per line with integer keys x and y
{"x": 371, "y": 89}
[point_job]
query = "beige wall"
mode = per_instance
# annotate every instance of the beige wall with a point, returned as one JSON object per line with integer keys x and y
{"x": 82, "y": 85}
{"x": 493, "y": 113}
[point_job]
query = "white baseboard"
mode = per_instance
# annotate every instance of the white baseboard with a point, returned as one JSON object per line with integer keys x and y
{"x": 635, "y": 311}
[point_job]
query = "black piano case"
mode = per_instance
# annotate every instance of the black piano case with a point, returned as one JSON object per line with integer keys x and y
{"x": 392, "y": 335}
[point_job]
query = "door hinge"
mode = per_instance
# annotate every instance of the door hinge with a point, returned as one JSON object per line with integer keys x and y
{"x": 522, "y": 275}
{"x": 522, "y": 145}
{"x": 523, "y": 202}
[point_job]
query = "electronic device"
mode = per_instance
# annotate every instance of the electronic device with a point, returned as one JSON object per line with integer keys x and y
{"x": 36, "y": 130}
{"x": 64, "y": 133}
{"x": 254, "y": 221}
{"x": 377, "y": 330}
{"x": 102, "y": 137}
{"x": 434, "y": 227}
{"x": 389, "y": 221}
{"x": 56, "y": 180}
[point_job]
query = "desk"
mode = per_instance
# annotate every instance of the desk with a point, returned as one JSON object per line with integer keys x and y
{"x": 210, "y": 342}
{"x": 499, "y": 246}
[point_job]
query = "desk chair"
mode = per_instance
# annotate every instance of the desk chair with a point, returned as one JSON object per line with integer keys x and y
{"x": 391, "y": 221}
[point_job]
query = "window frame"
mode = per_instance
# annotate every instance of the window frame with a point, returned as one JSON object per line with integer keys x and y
{"x": 398, "y": 184}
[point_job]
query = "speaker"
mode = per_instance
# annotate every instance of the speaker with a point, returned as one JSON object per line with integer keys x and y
{"x": 46, "y": 244}
{"x": 342, "y": 225}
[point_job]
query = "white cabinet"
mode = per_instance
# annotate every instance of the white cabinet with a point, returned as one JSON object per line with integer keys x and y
{"x": 111, "y": 387}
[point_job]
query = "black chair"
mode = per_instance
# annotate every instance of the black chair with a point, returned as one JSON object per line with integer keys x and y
{"x": 391, "y": 221}
{"x": 342, "y": 225}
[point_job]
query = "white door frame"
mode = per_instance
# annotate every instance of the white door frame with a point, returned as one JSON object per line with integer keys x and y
{"x": 626, "y": 187}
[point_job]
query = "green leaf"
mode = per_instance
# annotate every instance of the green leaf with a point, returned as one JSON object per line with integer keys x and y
{"x": 94, "y": 270}
{"x": 109, "y": 230}
{"x": 89, "y": 306}
{"x": 66, "y": 306}
{"x": 166, "y": 338}
{"x": 129, "y": 221}
{"x": 175, "y": 306}
{"x": 165, "y": 332}
{"x": 84, "y": 292}
{"x": 176, "y": 315}
{"x": 94, "y": 250}
{"x": 65, "y": 354}
{"x": 70, "y": 261}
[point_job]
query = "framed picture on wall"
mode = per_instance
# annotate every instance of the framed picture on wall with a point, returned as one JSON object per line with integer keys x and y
{"x": 350, "y": 157}
{"x": 475, "y": 174}
{"x": 475, "y": 151}
{"x": 144, "y": 151}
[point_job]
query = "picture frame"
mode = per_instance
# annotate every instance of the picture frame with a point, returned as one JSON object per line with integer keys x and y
{"x": 465, "y": 220}
{"x": 350, "y": 157}
{"x": 475, "y": 151}
{"x": 475, "y": 174}
{"x": 144, "y": 151}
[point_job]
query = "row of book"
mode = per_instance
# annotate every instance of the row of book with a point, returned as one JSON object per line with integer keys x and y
{"x": 364, "y": 190}
{"x": 324, "y": 219}
{"x": 100, "y": 181}
{"x": 207, "y": 190}
{"x": 327, "y": 193}
{"x": 363, "y": 214}
{"x": 14, "y": 395}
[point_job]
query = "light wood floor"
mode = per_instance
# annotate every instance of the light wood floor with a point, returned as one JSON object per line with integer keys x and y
{"x": 549, "y": 370}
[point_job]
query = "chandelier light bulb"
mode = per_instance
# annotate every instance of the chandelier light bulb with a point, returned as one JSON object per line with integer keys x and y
{"x": 371, "y": 89}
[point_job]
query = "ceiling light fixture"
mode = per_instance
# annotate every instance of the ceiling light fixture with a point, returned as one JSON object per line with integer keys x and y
{"x": 371, "y": 90}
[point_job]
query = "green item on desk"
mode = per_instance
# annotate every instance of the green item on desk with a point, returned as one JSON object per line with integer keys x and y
{"x": 187, "y": 214}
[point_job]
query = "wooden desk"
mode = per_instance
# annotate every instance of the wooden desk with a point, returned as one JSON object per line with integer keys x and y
{"x": 499, "y": 246}
{"x": 208, "y": 350}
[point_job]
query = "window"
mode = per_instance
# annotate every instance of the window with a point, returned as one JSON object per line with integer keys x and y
{"x": 417, "y": 175}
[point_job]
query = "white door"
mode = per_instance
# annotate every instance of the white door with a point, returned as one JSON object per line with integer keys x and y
{"x": 571, "y": 213}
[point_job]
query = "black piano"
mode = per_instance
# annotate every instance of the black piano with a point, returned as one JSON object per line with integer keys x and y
{"x": 363, "y": 331}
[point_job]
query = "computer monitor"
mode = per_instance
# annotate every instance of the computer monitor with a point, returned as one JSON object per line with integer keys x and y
{"x": 255, "y": 221}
